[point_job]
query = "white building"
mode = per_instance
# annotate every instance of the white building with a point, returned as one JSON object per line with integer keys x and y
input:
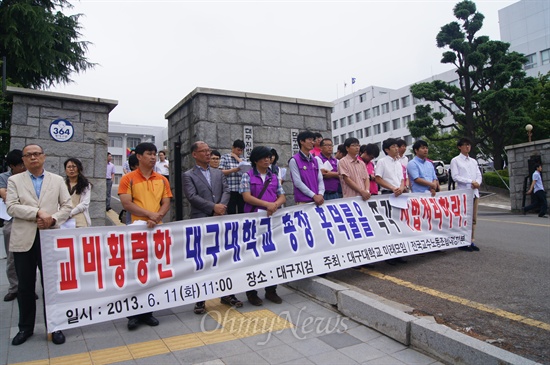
{"x": 526, "y": 26}
{"x": 124, "y": 137}
{"x": 374, "y": 114}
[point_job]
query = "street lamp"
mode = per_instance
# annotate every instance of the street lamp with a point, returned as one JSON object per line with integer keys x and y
{"x": 529, "y": 129}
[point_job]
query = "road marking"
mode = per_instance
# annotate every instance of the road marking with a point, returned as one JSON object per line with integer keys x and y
{"x": 459, "y": 300}
{"x": 514, "y": 222}
{"x": 233, "y": 325}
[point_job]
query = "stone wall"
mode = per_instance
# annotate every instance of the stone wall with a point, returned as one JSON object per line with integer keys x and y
{"x": 518, "y": 155}
{"x": 218, "y": 117}
{"x": 32, "y": 113}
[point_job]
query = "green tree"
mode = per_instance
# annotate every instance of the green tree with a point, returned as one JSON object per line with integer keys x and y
{"x": 487, "y": 102}
{"x": 41, "y": 47}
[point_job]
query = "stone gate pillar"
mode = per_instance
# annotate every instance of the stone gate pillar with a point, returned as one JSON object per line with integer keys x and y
{"x": 218, "y": 117}
{"x": 65, "y": 126}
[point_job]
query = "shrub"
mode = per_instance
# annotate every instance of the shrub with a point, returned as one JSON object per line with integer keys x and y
{"x": 492, "y": 179}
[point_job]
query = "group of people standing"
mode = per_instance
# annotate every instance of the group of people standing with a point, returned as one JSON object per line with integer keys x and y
{"x": 216, "y": 185}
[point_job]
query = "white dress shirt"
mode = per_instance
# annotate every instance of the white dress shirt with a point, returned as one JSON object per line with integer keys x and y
{"x": 464, "y": 170}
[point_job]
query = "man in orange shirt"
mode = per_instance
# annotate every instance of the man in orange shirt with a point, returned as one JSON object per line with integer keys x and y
{"x": 146, "y": 195}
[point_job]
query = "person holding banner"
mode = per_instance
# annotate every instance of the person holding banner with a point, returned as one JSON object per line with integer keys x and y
{"x": 146, "y": 195}
{"x": 368, "y": 153}
{"x": 329, "y": 169}
{"x": 390, "y": 177}
{"x": 421, "y": 171}
{"x": 467, "y": 176}
{"x": 262, "y": 190}
{"x": 37, "y": 200}
{"x": 229, "y": 164}
{"x": 354, "y": 176}
{"x": 14, "y": 160}
{"x": 208, "y": 193}
{"x": 305, "y": 173}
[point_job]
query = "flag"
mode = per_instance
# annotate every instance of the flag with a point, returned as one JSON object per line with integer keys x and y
{"x": 353, "y": 80}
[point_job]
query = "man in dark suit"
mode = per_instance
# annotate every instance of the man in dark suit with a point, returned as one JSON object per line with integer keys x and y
{"x": 36, "y": 199}
{"x": 208, "y": 193}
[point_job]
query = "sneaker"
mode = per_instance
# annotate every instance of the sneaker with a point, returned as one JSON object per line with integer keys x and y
{"x": 231, "y": 300}
{"x": 150, "y": 321}
{"x": 543, "y": 216}
{"x": 133, "y": 323}
{"x": 474, "y": 247}
{"x": 272, "y": 296}
{"x": 254, "y": 299}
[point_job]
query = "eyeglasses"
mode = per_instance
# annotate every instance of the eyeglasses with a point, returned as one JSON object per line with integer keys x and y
{"x": 71, "y": 167}
{"x": 33, "y": 154}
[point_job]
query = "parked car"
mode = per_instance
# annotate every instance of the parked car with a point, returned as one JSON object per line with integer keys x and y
{"x": 441, "y": 172}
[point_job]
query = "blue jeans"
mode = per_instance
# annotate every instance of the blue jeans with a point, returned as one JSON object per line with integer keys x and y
{"x": 331, "y": 196}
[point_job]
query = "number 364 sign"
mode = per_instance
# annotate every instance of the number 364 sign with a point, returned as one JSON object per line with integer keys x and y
{"x": 61, "y": 130}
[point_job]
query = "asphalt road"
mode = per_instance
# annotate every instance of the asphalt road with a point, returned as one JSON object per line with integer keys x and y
{"x": 499, "y": 294}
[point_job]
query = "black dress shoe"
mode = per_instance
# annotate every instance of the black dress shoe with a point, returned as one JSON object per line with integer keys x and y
{"x": 20, "y": 337}
{"x": 58, "y": 337}
{"x": 150, "y": 321}
{"x": 401, "y": 260}
{"x": 474, "y": 247}
{"x": 10, "y": 296}
{"x": 466, "y": 248}
{"x": 133, "y": 323}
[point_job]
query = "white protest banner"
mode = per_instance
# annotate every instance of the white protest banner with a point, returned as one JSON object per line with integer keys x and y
{"x": 102, "y": 273}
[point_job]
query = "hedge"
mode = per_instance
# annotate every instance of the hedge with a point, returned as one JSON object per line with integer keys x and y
{"x": 491, "y": 179}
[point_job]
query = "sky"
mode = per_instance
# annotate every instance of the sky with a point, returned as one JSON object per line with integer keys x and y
{"x": 151, "y": 54}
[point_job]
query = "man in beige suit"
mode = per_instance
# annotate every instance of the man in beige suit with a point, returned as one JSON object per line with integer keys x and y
{"x": 36, "y": 200}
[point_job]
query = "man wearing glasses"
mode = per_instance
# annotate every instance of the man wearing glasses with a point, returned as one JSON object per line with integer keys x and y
{"x": 36, "y": 199}
{"x": 208, "y": 193}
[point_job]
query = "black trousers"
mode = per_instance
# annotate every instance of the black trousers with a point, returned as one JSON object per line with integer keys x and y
{"x": 271, "y": 288}
{"x": 236, "y": 203}
{"x": 25, "y": 267}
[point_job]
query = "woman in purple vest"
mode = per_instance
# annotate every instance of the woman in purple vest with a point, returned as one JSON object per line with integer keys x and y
{"x": 262, "y": 190}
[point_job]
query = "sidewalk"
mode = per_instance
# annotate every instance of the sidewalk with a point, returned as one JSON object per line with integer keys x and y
{"x": 298, "y": 331}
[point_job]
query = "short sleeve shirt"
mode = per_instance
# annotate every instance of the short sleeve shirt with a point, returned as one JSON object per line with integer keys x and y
{"x": 146, "y": 193}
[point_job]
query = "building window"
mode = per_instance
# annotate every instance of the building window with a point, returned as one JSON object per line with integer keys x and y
{"x": 117, "y": 160}
{"x": 408, "y": 139}
{"x": 367, "y": 132}
{"x": 406, "y": 101}
{"x": 334, "y": 124}
{"x": 115, "y": 141}
{"x": 416, "y": 101}
{"x": 396, "y": 124}
{"x": 376, "y": 111}
{"x": 359, "y": 133}
{"x": 406, "y": 120}
{"x": 385, "y": 108}
{"x": 351, "y": 134}
{"x": 531, "y": 61}
{"x": 442, "y": 110}
{"x": 342, "y": 122}
{"x": 395, "y": 105}
{"x": 376, "y": 129}
{"x": 386, "y": 126}
{"x": 545, "y": 56}
{"x": 350, "y": 119}
{"x": 342, "y": 138}
{"x": 132, "y": 142}
{"x": 358, "y": 117}
{"x": 346, "y": 104}
{"x": 336, "y": 141}
{"x": 362, "y": 98}
{"x": 367, "y": 114}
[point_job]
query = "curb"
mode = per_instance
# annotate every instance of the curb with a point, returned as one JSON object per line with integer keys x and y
{"x": 391, "y": 319}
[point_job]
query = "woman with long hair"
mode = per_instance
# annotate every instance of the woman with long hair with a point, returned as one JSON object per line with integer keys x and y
{"x": 80, "y": 190}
